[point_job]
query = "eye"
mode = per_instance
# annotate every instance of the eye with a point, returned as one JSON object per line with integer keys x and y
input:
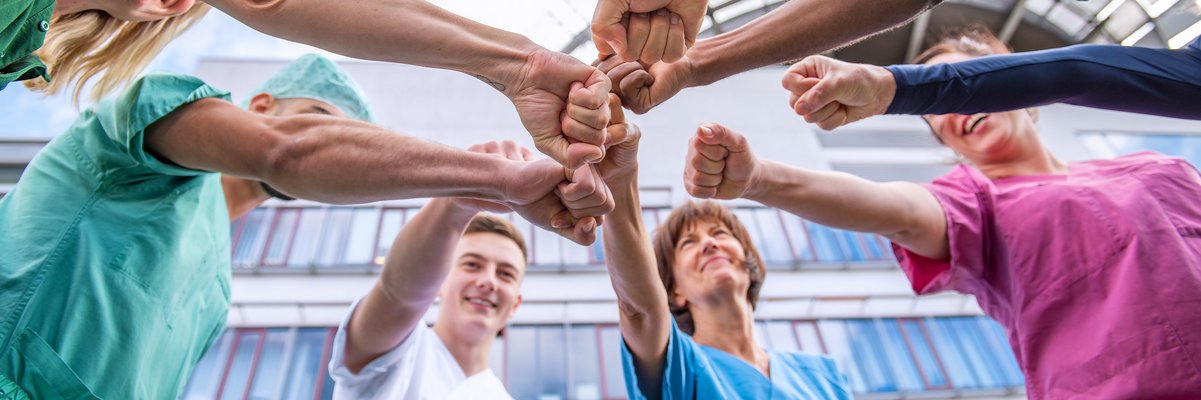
{"x": 472, "y": 265}
{"x": 685, "y": 243}
{"x": 508, "y": 275}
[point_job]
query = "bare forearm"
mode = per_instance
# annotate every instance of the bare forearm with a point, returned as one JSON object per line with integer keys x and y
{"x": 848, "y": 202}
{"x": 628, "y": 254}
{"x": 342, "y": 161}
{"x": 796, "y": 29}
{"x": 404, "y": 31}
{"x": 418, "y": 262}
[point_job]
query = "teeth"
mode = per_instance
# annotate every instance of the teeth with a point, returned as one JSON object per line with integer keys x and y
{"x": 481, "y": 302}
{"x": 975, "y": 121}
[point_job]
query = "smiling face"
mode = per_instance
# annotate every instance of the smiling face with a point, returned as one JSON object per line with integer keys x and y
{"x": 710, "y": 264}
{"x": 481, "y": 292}
{"x": 986, "y": 138}
{"x": 704, "y": 255}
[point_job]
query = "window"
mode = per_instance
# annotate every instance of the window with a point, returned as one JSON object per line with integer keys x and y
{"x": 1112, "y": 144}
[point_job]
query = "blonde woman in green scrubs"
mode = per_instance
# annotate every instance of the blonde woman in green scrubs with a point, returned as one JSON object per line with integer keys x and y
{"x": 114, "y": 278}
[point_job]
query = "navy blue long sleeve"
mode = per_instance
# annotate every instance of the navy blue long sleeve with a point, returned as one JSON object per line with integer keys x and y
{"x": 1148, "y": 81}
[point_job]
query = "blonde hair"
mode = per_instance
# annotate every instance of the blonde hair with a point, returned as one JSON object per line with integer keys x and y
{"x": 83, "y": 45}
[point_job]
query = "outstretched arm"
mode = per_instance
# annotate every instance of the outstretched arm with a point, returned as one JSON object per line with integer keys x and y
{"x": 642, "y": 303}
{"x": 833, "y": 93}
{"x": 556, "y": 96}
{"x": 418, "y": 262}
{"x": 796, "y": 29}
{"x": 1111, "y": 77}
{"x": 720, "y": 165}
{"x": 337, "y": 160}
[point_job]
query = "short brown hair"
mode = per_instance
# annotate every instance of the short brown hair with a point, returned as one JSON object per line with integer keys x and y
{"x": 669, "y": 232}
{"x": 488, "y": 223}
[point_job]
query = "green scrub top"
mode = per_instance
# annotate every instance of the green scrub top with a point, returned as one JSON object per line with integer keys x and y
{"x": 23, "y": 26}
{"x": 114, "y": 278}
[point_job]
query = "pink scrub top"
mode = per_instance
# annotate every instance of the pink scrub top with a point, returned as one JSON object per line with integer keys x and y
{"x": 1095, "y": 275}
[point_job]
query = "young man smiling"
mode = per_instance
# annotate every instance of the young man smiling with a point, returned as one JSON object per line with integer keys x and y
{"x": 475, "y": 264}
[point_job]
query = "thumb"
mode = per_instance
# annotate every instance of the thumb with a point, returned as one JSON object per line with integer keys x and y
{"x": 820, "y": 95}
{"x": 610, "y": 38}
{"x": 717, "y": 134}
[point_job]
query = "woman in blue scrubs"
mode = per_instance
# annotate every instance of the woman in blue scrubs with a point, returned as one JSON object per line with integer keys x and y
{"x": 687, "y": 299}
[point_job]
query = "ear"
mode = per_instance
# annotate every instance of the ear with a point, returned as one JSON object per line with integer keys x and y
{"x": 516, "y": 306}
{"x": 263, "y": 103}
{"x": 677, "y": 298}
{"x": 173, "y": 7}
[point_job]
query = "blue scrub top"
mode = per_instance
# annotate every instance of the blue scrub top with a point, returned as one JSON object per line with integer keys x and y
{"x": 695, "y": 371}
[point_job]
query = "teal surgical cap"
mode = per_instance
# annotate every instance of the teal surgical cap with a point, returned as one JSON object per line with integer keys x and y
{"x": 315, "y": 77}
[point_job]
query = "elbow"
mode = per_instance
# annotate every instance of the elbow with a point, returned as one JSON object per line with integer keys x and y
{"x": 287, "y": 151}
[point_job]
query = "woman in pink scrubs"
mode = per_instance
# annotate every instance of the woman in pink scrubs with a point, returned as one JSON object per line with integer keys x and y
{"x": 1093, "y": 268}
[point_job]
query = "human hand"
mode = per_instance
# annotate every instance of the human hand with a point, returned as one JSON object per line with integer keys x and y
{"x": 562, "y": 103}
{"x": 621, "y": 158}
{"x": 648, "y": 31}
{"x": 719, "y": 164}
{"x": 832, "y": 93}
{"x": 641, "y": 89}
{"x": 532, "y": 188}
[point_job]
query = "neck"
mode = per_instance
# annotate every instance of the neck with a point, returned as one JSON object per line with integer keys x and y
{"x": 470, "y": 352}
{"x": 1035, "y": 162}
{"x": 729, "y": 326}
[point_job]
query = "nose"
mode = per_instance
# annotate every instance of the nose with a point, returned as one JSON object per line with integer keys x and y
{"x": 486, "y": 282}
{"x": 708, "y": 244}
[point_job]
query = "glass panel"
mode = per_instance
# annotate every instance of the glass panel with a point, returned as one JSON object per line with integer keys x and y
{"x": 962, "y": 375}
{"x": 270, "y": 366}
{"x": 976, "y": 355}
{"x": 747, "y": 217}
{"x": 835, "y": 336}
{"x": 899, "y": 357}
{"x": 546, "y": 249}
{"x": 877, "y": 247}
{"x": 207, "y": 375}
{"x": 760, "y": 332}
{"x": 552, "y": 363}
{"x": 808, "y": 337}
{"x": 522, "y": 356}
{"x": 869, "y": 356}
{"x": 995, "y": 336}
{"x": 775, "y": 245}
{"x": 239, "y": 370}
{"x": 281, "y": 235}
{"x": 798, "y": 235}
{"x": 782, "y": 338}
{"x": 335, "y": 232}
{"x": 250, "y": 241}
{"x": 926, "y": 359}
{"x": 360, "y": 247}
{"x": 825, "y": 241}
{"x": 496, "y": 356}
{"x": 650, "y": 220}
{"x": 389, "y": 228}
{"x": 612, "y": 371}
{"x": 853, "y": 248}
{"x": 573, "y": 254}
{"x": 304, "y": 246}
{"x": 598, "y": 247}
{"x": 585, "y": 363}
{"x": 305, "y": 365}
